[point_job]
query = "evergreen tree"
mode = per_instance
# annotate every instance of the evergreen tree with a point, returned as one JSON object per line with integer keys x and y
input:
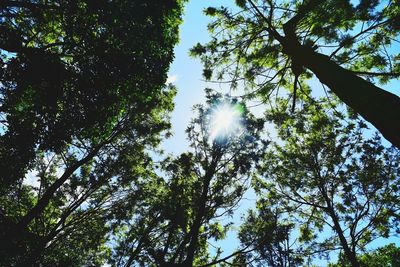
{"x": 338, "y": 187}
{"x": 184, "y": 207}
{"x": 347, "y": 45}
{"x": 82, "y": 91}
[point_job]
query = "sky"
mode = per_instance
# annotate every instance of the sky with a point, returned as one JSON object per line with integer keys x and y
{"x": 186, "y": 73}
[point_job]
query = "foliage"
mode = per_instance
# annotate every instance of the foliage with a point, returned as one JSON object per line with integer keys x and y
{"x": 266, "y": 45}
{"x": 324, "y": 175}
{"x": 268, "y": 238}
{"x": 73, "y": 69}
{"x": 185, "y": 204}
{"x": 82, "y": 101}
{"x": 381, "y": 257}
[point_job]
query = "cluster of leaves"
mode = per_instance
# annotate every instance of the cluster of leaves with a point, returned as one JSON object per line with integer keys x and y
{"x": 82, "y": 101}
{"x": 73, "y": 69}
{"x": 266, "y": 45}
{"x": 360, "y": 36}
{"x": 193, "y": 193}
{"x": 325, "y": 176}
{"x": 384, "y": 256}
{"x": 267, "y": 237}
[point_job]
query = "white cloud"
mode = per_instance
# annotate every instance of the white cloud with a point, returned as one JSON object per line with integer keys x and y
{"x": 171, "y": 79}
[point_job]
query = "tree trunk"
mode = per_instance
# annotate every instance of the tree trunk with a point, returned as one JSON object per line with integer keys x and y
{"x": 201, "y": 210}
{"x": 17, "y": 232}
{"x": 374, "y": 104}
{"x": 350, "y": 254}
{"x": 377, "y": 106}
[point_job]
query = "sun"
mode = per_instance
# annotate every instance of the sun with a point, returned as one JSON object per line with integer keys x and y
{"x": 224, "y": 121}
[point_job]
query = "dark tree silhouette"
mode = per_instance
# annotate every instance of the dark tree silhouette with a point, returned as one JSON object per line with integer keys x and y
{"x": 72, "y": 69}
{"x": 82, "y": 86}
{"x": 183, "y": 209}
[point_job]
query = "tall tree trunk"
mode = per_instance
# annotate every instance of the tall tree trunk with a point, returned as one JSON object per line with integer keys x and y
{"x": 350, "y": 254}
{"x": 379, "y": 107}
{"x": 201, "y": 209}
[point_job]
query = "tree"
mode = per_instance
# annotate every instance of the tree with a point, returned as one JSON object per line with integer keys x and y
{"x": 269, "y": 239}
{"x": 380, "y": 257}
{"x": 271, "y": 44}
{"x": 325, "y": 175}
{"x": 184, "y": 207}
{"x": 72, "y": 69}
{"x": 82, "y": 91}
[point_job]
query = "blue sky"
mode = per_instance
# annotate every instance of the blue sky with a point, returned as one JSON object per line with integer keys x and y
{"x": 186, "y": 72}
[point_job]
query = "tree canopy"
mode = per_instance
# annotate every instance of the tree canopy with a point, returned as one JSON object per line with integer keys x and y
{"x": 384, "y": 256}
{"x": 82, "y": 91}
{"x": 183, "y": 210}
{"x": 84, "y": 106}
{"x": 325, "y": 176}
{"x": 348, "y": 45}
{"x": 72, "y": 69}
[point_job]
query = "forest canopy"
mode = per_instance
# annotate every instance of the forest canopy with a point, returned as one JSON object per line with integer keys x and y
{"x": 349, "y": 46}
{"x": 82, "y": 91}
{"x": 85, "y": 105}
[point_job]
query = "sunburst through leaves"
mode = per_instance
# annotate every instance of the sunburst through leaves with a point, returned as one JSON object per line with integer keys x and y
{"x": 225, "y": 120}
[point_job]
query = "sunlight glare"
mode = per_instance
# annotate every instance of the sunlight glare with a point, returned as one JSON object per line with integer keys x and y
{"x": 225, "y": 120}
